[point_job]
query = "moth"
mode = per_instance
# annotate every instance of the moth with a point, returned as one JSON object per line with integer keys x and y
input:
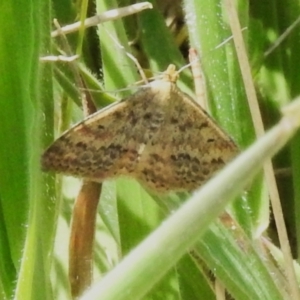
{"x": 159, "y": 136}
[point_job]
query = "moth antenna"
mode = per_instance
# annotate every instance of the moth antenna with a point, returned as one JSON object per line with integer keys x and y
{"x": 135, "y": 61}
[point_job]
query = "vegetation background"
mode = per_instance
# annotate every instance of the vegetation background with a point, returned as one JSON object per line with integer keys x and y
{"x": 39, "y": 101}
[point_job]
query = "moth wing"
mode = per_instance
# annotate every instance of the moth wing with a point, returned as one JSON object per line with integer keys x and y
{"x": 187, "y": 150}
{"x": 105, "y": 144}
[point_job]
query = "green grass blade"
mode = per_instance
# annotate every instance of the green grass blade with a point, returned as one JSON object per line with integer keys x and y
{"x": 27, "y": 215}
{"x": 227, "y": 99}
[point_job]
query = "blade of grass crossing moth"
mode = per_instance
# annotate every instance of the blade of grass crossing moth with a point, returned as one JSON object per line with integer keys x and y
{"x": 202, "y": 208}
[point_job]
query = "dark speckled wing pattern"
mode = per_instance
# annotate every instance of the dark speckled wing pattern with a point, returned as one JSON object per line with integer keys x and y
{"x": 158, "y": 136}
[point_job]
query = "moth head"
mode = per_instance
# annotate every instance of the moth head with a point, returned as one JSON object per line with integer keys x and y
{"x": 170, "y": 75}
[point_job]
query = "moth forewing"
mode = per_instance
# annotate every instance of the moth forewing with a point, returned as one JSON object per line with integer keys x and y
{"x": 159, "y": 136}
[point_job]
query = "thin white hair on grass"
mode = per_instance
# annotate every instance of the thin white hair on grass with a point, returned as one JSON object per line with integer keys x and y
{"x": 282, "y": 37}
{"x": 228, "y": 39}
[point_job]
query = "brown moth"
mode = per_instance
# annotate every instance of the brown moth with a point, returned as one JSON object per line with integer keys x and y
{"x": 159, "y": 136}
